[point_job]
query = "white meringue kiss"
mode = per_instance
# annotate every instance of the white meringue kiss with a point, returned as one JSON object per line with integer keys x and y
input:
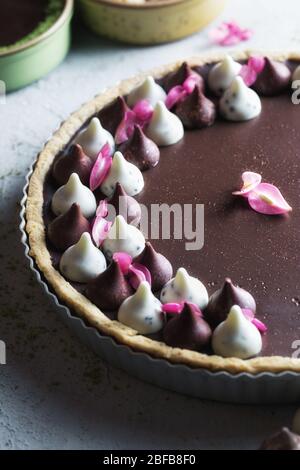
{"x": 123, "y": 237}
{"x": 184, "y": 287}
{"x": 164, "y": 128}
{"x": 82, "y": 262}
{"x": 142, "y": 311}
{"x": 296, "y": 422}
{"x": 149, "y": 90}
{"x": 236, "y": 336}
{"x": 74, "y": 191}
{"x": 222, "y": 74}
{"x": 239, "y": 102}
{"x": 94, "y": 137}
{"x": 125, "y": 173}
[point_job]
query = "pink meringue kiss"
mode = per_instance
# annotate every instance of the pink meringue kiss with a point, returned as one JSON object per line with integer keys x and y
{"x": 174, "y": 307}
{"x": 249, "y": 314}
{"x": 124, "y": 260}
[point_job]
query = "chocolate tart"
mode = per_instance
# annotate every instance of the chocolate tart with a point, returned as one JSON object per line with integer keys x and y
{"x": 259, "y": 252}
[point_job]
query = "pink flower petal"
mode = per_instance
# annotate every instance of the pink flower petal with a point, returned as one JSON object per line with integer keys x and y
{"x": 137, "y": 274}
{"x": 176, "y": 94}
{"x": 260, "y": 325}
{"x": 143, "y": 112}
{"x": 100, "y": 230}
{"x": 250, "y": 70}
{"x": 101, "y": 167}
{"x": 172, "y": 307}
{"x": 190, "y": 82}
{"x": 125, "y": 128}
{"x": 124, "y": 260}
{"x": 250, "y": 181}
{"x": 229, "y": 33}
{"x": 267, "y": 199}
{"x": 102, "y": 209}
{"x": 249, "y": 314}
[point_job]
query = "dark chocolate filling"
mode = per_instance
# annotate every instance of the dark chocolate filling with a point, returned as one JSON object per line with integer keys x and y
{"x": 258, "y": 252}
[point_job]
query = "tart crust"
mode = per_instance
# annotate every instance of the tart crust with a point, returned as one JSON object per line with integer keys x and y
{"x": 77, "y": 302}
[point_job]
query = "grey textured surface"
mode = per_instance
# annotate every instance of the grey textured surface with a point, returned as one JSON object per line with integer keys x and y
{"x": 54, "y": 393}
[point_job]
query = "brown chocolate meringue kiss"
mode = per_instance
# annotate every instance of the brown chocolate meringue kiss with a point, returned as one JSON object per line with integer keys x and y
{"x": 179, "y": 76}
{"x": 282, "y": 440}
{"x": 223, "y": 299}
{"x": 187, "y": 330}
{"x": 273, "y": 79}
{"x": 109, "y": 290}
{"x": 196, "y": 111}
{"x": 67, "y": 228}
{"x": 124, "y": 205}
{"x": 140, "y": 150}
{"x": 111, "y": 116}
{"x": 75, "y": 161}
{"x": 159, "y": 266}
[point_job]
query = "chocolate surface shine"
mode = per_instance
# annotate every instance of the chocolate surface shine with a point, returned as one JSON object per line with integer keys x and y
{"x": 259, "y": 253}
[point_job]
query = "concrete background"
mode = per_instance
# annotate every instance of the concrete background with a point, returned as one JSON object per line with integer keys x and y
{"x": 54, "y": 393}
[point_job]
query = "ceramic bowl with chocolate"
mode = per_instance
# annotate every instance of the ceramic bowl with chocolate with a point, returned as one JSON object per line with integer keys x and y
{"x": 219, "y": 132}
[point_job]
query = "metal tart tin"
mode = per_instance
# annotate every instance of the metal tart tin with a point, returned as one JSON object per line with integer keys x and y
{"x": 24, "y": 64}
{"x": 222, "y": 386}
{"x": 153, "y": 22}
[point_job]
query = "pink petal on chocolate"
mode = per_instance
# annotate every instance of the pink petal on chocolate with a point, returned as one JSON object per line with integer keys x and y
{"x": 250, "y": 181}
{"x": 143, "y": 111}
{"x": 260, "y": 325}
{"x": 125, "y": 128}
{"x": 101, "y": 167}
{"x": 267, "y": 199}
{"x": 250, "y": 70}
{"x": 249, "y": 314}
{"x": 172, "y": 307}
{"x": 190, "y": 82}
{"x": 124, "y": 260}
{"x": 176, "y": 94}
{"x": 102, "y": 209}
{"x": 100, "y": 230}
{"x": 137, "y": 274}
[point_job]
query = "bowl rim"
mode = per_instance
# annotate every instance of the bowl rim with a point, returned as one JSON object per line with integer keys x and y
{"x": 146, "y": 6}
{"x": 65, "y": 14}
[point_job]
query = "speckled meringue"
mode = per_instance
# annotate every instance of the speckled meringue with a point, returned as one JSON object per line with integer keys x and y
{"x": 74, "y": 192}
{"x": 239, "y": 102}
{"x": 296, "y": 422}
{"x": 149, "y": 90}
{"x": 142, "y": 311}
{"x": 82, "y": 262}
{"x": 222, "y": 74}
{"x": 296, "y": 73}
{"x": 184, "y": 287}
{"x": 236, "y": 336}
{"x": 165, "y": 128}
{"x": 94, "y": 137}
{"x": 125, "y": 173}
{"x": 123, "y": 237}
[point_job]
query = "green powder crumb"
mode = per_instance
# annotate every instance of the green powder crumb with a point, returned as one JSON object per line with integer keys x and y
{"x": 53, "y": 11}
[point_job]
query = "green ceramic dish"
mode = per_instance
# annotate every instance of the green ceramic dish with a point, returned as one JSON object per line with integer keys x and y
{"x": 153, "y": 22}
{"x": 24, "y": 63}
